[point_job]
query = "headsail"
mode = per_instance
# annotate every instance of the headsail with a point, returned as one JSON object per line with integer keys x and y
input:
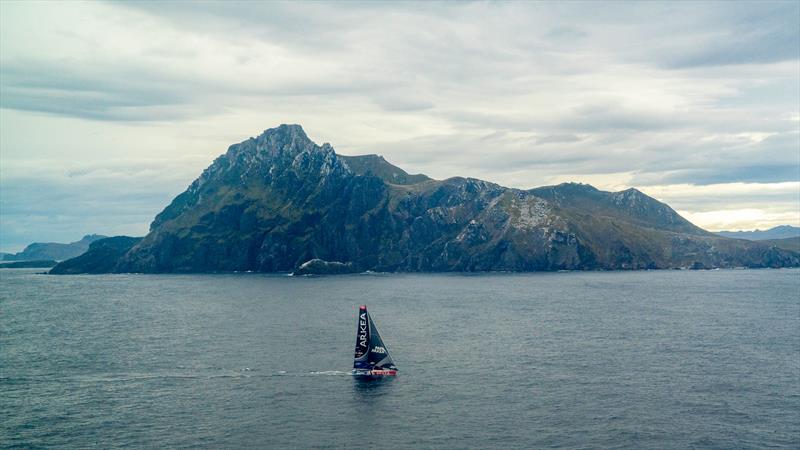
{"x": 371, "y": 353}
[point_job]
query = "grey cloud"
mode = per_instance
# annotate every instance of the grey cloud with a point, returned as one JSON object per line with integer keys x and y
{"x": 118, "y": 94}
{"x": 760, "y": 197}
{"x": 689, "y": 35}
{"x": 786, "y": 90}
{"x": 317, "y": 26}
{"x": 774, "y": 173}
{"x": 653, "y": 157}
{"x": 558, "y": 138}
{"x": 491, "y": 120}
{"x": 766, "y": 33}
{"x": 774, "y": 159}
{"x": 401, "y": 103}
{"x": 131, "y": 93}
{"x": 686, "y": 35}
{"x": 611, "y": 117}
{"x": 566, "y": 33}
{"x": 515, "y": 93}
{"x": 608, "y": 117}
{"x": 486, "y": 156}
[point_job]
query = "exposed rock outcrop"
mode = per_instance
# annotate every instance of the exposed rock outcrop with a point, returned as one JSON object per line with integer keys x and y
{"x": 319, "y": 267}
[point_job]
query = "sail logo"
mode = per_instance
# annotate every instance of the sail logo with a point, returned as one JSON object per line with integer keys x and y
{"x": 378, "y": 350}
{"x": 362, "y": 330}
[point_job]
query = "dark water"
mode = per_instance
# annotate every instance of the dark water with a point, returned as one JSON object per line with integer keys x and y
{"x": 626, "y": 360}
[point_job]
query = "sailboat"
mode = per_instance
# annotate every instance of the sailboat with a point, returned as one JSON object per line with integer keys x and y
{"x": 372, "y": 359}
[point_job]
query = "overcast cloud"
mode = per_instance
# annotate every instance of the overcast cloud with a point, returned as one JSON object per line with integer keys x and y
{"x": 108, "y": 110}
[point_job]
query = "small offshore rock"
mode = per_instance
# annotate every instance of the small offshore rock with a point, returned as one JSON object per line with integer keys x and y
{"x": 318, "y": 266}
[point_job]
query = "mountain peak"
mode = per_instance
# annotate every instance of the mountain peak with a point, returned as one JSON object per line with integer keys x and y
{"x": 285, "y": 131}
{"x": 576, "y": 186}
{"x": 630, "y": 195}
{"x": 283, "y": 142}
{"x": 282, "y": 138}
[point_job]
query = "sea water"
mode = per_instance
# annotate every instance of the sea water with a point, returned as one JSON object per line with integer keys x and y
{"x": 657, "y": 359}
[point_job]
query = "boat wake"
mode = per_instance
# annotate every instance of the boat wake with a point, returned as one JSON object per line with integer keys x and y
{"x": 335, "y": 373}
{"x": 172, "y": 375}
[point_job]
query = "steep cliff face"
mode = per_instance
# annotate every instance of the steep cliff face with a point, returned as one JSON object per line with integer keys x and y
{"x": 274, "y": 202}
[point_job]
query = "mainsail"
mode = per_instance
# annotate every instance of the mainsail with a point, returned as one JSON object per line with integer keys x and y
{"x": 371, "y": 353}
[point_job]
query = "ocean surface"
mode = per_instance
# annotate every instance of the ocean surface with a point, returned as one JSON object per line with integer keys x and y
{"x": 659, "y": 359}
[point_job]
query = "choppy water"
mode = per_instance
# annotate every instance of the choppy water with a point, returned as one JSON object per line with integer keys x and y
{"x": 663, "y": 359}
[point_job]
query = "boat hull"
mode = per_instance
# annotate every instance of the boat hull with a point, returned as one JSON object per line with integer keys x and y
{"x": 374, "y": 373}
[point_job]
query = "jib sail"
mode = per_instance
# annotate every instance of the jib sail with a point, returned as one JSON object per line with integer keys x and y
{"x": 371, "y": 353}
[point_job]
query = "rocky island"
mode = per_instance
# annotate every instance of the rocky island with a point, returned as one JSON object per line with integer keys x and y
{"x": 281, "y": 203}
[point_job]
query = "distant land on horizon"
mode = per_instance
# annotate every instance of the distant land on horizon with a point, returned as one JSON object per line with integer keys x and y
{"x": 28, "y": 264}
{"x": 279, "y": 201}
{"x": 779, "y": 232}
{"x": 43, "y": 251}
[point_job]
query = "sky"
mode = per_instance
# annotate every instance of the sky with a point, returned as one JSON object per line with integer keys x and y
{"x": 110, "y": 110}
